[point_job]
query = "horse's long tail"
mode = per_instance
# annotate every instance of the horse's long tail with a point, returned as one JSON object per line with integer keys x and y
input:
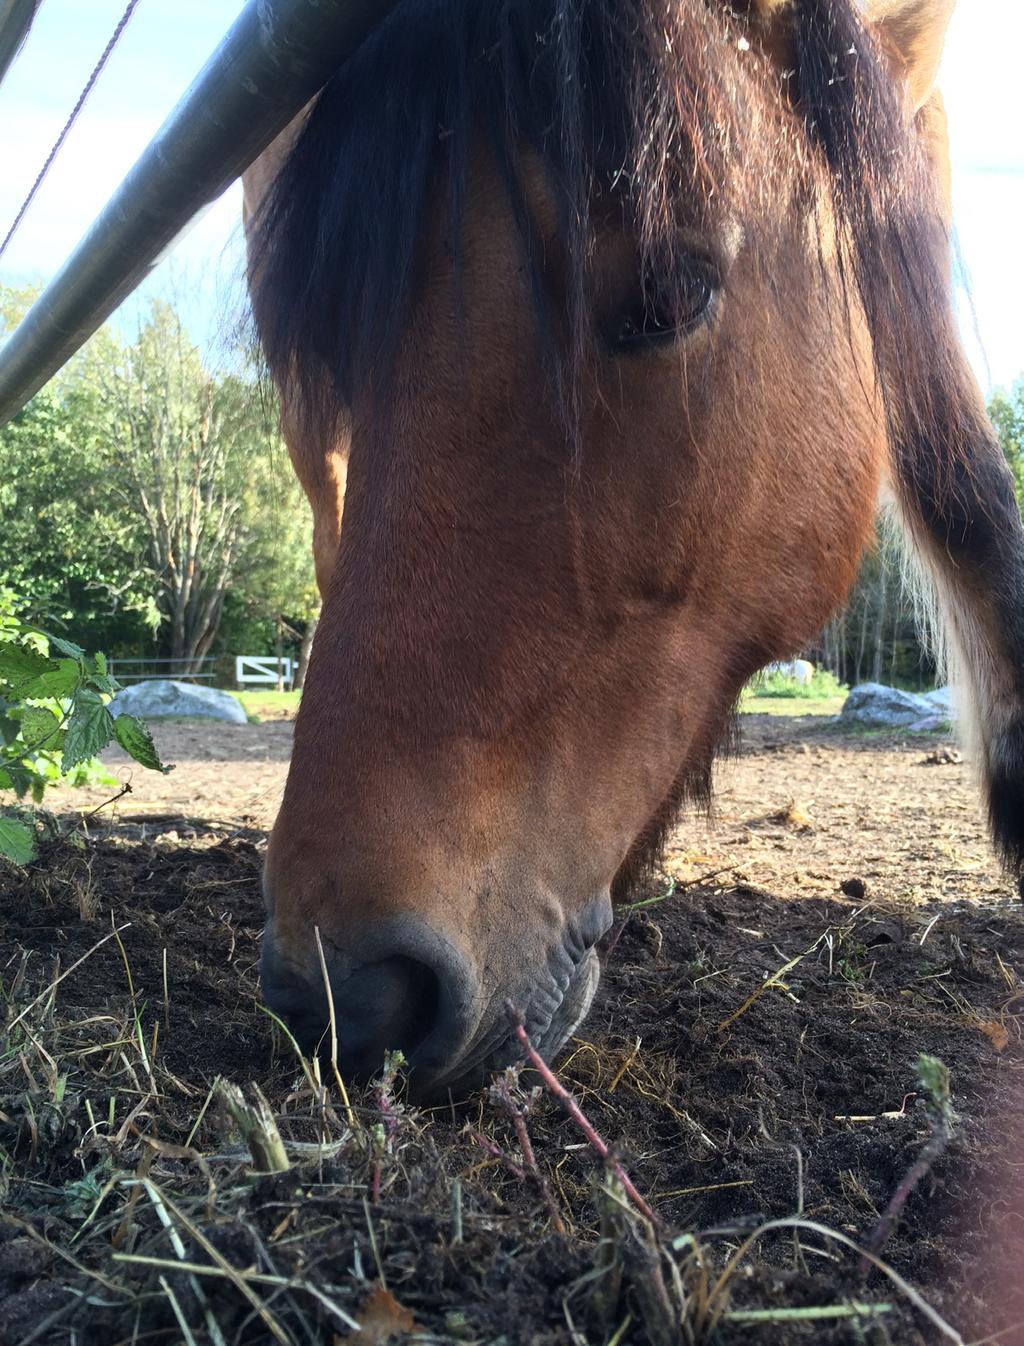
{"x": 961, "y": 516}
{"x": 885, "y": 145}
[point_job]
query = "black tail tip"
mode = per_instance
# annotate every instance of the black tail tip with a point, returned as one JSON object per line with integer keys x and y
{"x": 1006, "y": 799}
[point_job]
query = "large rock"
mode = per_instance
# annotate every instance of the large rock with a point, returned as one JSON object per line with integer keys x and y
{"x": 163, "y": 697}
{"x": 941, "y": 702}
{"x": 872, "y": 703}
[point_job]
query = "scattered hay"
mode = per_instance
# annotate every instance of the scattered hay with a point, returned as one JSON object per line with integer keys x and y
{"x": 153, "y": 1192}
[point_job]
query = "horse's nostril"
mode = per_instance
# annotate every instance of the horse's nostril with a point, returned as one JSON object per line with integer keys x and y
{"x": 382, "y": 1002}
{"x": 382, "y": 1007}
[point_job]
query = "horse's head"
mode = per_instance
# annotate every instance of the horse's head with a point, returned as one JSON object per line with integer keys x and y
{"x": 576, "y": 286}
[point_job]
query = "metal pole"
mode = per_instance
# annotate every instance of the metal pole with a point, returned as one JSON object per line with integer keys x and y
{"x": 15, "y": 20}
{"x": 277, "y": 55}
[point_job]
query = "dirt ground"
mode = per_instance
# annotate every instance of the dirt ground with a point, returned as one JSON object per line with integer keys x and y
{"x": 751, "y": 1058}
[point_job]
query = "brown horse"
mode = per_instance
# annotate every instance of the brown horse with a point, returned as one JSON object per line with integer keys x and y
{"x": 623, "y": 315}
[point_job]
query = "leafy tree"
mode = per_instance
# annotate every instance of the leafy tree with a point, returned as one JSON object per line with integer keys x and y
{"x": 68, "y": 541}
{"x": 133, "y": 486}
{"x": 201, "y": 459}
{"x": 1007, "y": 412}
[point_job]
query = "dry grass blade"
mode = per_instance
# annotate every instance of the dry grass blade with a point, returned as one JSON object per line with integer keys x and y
{"x": 164, "y": 1216}
{"x": 65, "y": 1256}
{"x": 350, "y": 1116}
{"x": 176, "y": 1308}
{"x": 256, "y": 1277}
{"x": 775, "y": 980}
{"x": 52, "y": 986}
{"x": 232, "y": 1273}
{"x": 790, "y": 1222}
{"x": 829, "y": 1313}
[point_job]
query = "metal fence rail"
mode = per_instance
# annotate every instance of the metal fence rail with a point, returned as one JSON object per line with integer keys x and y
{"x": 15, "y": 20}
{"x": 145, "y": 670}
{"x": 277, "y": 55}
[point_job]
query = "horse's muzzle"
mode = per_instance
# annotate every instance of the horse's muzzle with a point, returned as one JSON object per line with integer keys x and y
{"x": 405, "y": 988}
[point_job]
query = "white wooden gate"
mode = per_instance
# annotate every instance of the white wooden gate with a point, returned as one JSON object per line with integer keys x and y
{"x": 263, "y": 670}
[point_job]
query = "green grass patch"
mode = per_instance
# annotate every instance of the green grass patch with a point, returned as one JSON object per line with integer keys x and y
{"x": 783, "y": 705}
{"x": 268, "y": 704}
{"x": 822, "y": 686}
{"x": 777, "y": 694}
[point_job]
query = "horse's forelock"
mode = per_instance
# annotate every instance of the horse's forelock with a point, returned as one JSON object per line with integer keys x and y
{"x": 637, "y": 96}
{"x": 643, "y": 95}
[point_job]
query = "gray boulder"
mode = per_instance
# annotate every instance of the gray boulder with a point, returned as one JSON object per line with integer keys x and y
{"x": 164, "y": 697}
{"x": 941, "y": 702}
{"x": 872, "y": 703}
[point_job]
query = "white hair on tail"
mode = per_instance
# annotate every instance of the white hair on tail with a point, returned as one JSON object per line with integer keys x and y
{"x": 950, "y": 625}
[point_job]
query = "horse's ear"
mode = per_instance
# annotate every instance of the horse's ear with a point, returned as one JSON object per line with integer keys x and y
{"x": 913, "y": 32}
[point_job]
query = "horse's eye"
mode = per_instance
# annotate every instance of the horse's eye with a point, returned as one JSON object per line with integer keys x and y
{"x": 657, "y": 320}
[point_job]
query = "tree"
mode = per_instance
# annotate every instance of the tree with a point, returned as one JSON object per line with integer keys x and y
{"x": 68, "y": 544}
{"x": 133, "y": 485}
{"x": 177, "y": 452}
{"x": 1007, "y": 413}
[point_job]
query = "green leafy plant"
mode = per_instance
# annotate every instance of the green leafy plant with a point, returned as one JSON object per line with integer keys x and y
{"x": 54, "y": 719}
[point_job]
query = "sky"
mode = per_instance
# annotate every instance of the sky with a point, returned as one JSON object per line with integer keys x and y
{"x": 168, "y": 41}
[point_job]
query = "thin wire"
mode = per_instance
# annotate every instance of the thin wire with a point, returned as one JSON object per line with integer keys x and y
{"x": 97, "y": 71}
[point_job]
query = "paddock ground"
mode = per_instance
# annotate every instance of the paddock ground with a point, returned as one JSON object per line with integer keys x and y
{"x": 751, "y": 1058}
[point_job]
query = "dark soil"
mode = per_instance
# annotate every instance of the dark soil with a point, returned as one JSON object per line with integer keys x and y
{"x": 751, "y": 1057}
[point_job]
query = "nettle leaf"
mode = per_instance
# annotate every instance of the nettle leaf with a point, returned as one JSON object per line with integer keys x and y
{"x": 103, "y": 682}
{"x": 137, "y": 741}
{"x": 16, "y": 776}
{"x": 90, "y": 728}
{"x": 10, "y": 728}
{"x": 40, "y": 728}
{"x": 17, "y": 841}
{"x": 58, "y": 643}
{"x": 63, "y": 677}
{"x": 66, "y": 647}
{"x": 19, "y": 665}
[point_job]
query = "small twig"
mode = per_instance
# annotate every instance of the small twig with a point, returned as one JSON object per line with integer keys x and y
{"x": 390, "y": 1115}
{"x": 934, "y": 1079}
{"x": 568, "y": 1102}
{"x": 620, "y": 1073}
{"x": 501, "y": 1093}
{"x": 125, "y": 789}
